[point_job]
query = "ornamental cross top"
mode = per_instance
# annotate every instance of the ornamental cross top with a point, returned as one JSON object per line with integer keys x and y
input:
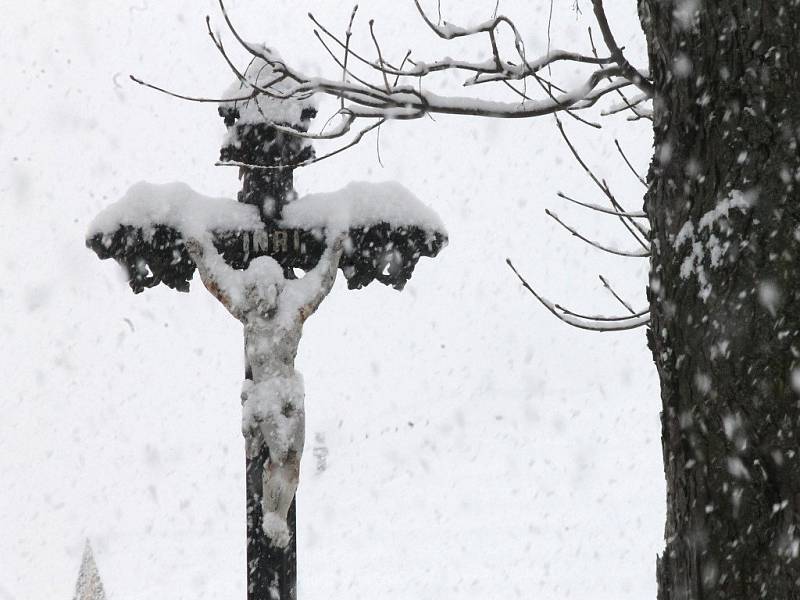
{"x": 388, "y": 228}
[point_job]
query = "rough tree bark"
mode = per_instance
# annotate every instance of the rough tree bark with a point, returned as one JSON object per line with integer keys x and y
{"x": 724, "y": 291}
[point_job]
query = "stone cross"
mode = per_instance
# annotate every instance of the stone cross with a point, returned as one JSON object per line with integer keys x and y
{"x": 247, "y": 254}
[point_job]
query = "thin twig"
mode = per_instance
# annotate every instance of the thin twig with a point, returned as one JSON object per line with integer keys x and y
{"x": 353, "y": 53}
{"x": 617, "y": 296}
{"x": 578, "y": 322}
{"x": 629, "y": 71}
{"x": 602, "y": 185}
{"x": 253, "y": 94}
{"x": 356, "y": 139}
{"x": 547, "y": 89}
{"x": 344, "y": 67}
{"x": 380, "y": 55}
{"x": 378, "y": 147}
{"x": 628, "y": 104}
{"x": 348, "y": 33}
{"x": 402, "y": 64}
{"x": 639, "y": 227}
{"x": 603, "y": 209}
{"x": 275, "y": 64}
{"x": 598, "y": 245}
{"x": 601, "y": 317}
{"x": 630, "y": 166}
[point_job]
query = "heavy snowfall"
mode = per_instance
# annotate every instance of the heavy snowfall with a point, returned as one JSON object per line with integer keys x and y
{"x": 459, "y": 440}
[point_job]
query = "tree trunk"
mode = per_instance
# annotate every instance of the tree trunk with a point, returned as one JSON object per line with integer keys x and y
{"x": 724, "y": 208}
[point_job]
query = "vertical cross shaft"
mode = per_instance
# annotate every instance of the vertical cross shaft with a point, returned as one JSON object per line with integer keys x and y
{"x": 271, "y": 571}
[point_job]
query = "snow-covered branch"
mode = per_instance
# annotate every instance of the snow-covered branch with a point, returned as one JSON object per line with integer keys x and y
{"x": 395, "y": 91}
{"x": 590, "y": 323}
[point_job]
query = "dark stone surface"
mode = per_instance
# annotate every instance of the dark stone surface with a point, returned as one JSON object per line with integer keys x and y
{"x": 380, "y": 252}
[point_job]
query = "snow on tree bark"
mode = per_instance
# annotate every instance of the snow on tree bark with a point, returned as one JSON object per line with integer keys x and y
{"x": 724, "y": 293}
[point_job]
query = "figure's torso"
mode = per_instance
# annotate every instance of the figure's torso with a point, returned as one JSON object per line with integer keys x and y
{"x": 270, "y": 346}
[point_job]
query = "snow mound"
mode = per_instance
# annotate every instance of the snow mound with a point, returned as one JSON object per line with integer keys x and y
{"x": 146, "y": 205}
{"x": 362, "y": 204}
{"x": 263, "y": 108}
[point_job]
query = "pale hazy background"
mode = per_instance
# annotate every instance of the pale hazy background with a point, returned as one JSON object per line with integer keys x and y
{"x": 476, "y": 446}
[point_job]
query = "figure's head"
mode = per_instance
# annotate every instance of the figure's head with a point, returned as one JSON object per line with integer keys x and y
{"x": 263, "y": 283}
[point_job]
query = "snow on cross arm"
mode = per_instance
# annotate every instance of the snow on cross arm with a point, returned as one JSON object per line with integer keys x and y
{"x": 389, "y": 230}
{"x": 146, "y": 205}
{"x": 358, "y": 204}
{"x": 362, "y": 204}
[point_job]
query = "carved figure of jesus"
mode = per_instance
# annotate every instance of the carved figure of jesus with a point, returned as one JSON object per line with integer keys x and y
{"x": 272, "y": 309}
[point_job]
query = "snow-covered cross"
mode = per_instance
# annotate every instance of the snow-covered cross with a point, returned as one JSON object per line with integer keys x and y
{"x": 247, "y": 253}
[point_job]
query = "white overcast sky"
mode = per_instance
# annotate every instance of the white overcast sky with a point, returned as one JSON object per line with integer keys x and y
{"x": 476, "y": 446}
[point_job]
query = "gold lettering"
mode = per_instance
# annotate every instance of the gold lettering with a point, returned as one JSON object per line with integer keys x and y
{"x": 261, "y": 241}
{"x": 246, "y": 245}
{"x": 280, "y": 241}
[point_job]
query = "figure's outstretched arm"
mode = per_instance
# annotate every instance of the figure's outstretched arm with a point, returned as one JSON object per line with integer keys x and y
{"x": 322, "y": 277}
{"x": 215, "y": 273}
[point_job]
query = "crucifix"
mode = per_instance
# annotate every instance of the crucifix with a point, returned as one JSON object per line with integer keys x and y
{"x": 270, "y": 258}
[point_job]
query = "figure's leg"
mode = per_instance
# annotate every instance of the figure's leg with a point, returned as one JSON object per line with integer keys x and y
{"x": 275, "y": 410}
{"x": 282, "y": 472}
{"x": 279, "y": 484}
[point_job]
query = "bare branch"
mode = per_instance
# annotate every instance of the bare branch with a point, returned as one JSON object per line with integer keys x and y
{"x": 402, "y": 64}
{"x": 626, "y": 104}
{"x": 253, "y": 94}
{"x": 495, "y": 51}
{"x": 616, "y": 295}
{"x": 348, "y": 33}
{"x": 601, "y": 317}
{"x": 243, "y": 81}
{"x": 633, "y": 254}
{"x": 356, "y": 139}
{"x": 355, "y": 55}
{"x": 616, "y": 52}
{"x": 448, "y": 31}
{"x": 493, "y": 70}
{"x": 603, "y": 209}
{"x": 378, "y": 147}
{"x": 579, "y": 322}
{"x": 343, "y": 66}
{"x": 380, "y": 55}
{"x": 580, "y": 98}
{"x": 639, "y": 227}
{"x": 343, "y": 127}
{"x": 630, "y": 166}
{"x": 358, "y": 98}
{"x": 627, "y": 222}
{"x": 253, "y": 49}
{"x": 546, "y": 87}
